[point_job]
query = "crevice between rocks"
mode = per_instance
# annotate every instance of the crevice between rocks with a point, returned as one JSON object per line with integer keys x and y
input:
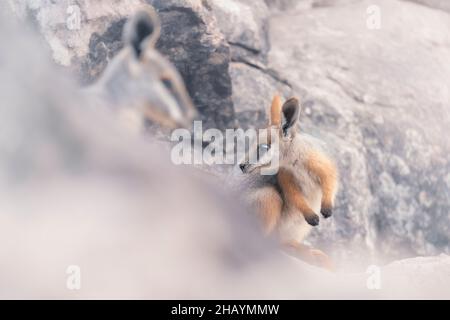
{"x": 245, "y": 47}
{"x": 270, "y": 72}
{"x": 353, "y": 96}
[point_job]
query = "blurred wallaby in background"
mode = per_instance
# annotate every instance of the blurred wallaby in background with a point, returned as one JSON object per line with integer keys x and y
{"x": 141, "y": 85}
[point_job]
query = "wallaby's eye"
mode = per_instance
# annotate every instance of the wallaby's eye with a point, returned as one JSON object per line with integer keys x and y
{"x": 167, "y": 83}
{"x": 262, "y": 149}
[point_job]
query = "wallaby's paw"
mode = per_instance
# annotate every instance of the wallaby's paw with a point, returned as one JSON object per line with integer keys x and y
{"x": 326, "y": 212}
{"x": 320, "y": 259}
{"x": 313, "y": 219}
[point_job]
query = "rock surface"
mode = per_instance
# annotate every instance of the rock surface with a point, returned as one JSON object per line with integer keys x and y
{"x": 379, "y": 98}
{"x": 435, "y": 4}
{"x": 417, "y": 278}
{"x": 193, "y": 42}
{"x": 83, "y": 35}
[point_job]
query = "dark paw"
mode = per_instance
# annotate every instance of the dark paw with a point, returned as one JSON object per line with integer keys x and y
{"x": 312, "y": 219}
{"x": 326, "y": 212}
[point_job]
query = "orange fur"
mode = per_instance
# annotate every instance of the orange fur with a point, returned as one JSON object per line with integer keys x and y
{"x": 269, "y": 205}
{"x": 293, "y": 193}
{"x": 275, "y": 111}
{"x": 325, "y": 170}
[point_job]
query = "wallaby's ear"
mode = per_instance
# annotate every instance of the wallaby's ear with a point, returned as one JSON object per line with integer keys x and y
{"x": 142, "y": 30}
{"x": 290, "y": 114}
{"x": 275, "y": 111}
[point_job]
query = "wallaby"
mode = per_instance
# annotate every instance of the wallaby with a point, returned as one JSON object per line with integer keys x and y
{"x": 305, "y": 184}
{"x": 140, "y": 83}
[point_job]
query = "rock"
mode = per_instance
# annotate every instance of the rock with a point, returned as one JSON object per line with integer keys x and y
{"x": 287, "y": 4}
{"x": 295, "y": 5}
{"x": 193, "y": 42}
{"x": 253, "y": 89}
{"x": 83, "y": 36}
{"x": 413, "y": 278}
{"x": 434, "y": 4}
{"x": 241, "y": 45}
{"x": 383, "y": 112}
{"x": 244, "y": 22}
{"x": 417, "y": 278}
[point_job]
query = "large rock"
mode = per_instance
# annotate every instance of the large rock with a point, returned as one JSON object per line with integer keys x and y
{"x": 253, "y": 89}
{"x": 83, "y": 36}
{"x": 435, "y": 4}
{"x": 416, "y": 278}
{"x": 295, "y": 5}
{"x": 193, "y": 42}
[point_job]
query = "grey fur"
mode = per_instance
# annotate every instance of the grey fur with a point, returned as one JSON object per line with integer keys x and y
{"x": 146, "y": 85}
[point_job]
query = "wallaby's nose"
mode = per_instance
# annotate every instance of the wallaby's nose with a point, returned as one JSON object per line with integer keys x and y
{"x": 242, "y": 166}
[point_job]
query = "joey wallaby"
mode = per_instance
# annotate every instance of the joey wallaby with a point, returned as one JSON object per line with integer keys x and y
{"x": 141, "y": 84}
{"x": 305, "y": 184}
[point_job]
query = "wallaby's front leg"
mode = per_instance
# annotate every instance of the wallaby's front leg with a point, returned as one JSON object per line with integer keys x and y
{"x": 294, "y": 195}
{"x": 325, "y": 170}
